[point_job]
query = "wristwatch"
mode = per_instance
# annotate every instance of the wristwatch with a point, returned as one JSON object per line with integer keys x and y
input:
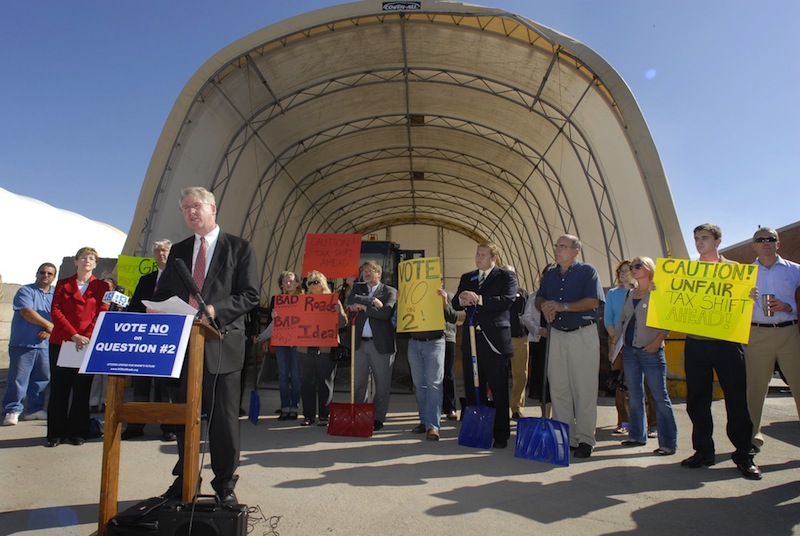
{"x": 566, "y": 306}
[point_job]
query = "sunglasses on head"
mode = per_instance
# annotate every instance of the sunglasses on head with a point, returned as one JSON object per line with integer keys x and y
{"x": 762, "y": 239}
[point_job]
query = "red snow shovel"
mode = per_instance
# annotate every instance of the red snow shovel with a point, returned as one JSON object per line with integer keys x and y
{"x": 540, "y": 439}
{"x": 353, "y": 420}
{"x": 478, "y": 425}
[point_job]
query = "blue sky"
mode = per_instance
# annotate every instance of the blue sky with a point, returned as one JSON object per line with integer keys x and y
{"x": 87, "y": 85}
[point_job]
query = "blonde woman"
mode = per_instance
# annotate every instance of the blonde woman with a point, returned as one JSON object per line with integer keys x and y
{"x": 643, "y": 356}
{"x": 317, "y": 371}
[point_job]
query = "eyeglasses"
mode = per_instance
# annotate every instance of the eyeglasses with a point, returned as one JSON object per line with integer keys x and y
{"x": 637, "y": 266}
{"x": 188, "y": 208}
{"x": 312, "y": 282}
{"x": 762, "y": 239}
{"x": 48, "y": 274}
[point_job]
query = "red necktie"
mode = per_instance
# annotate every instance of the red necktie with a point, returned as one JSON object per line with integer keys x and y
{"x": 199, "y": 271}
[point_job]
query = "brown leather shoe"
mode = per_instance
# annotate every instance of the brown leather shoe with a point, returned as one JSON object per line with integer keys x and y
{"x": 452, "y": 416}
{"x": 433, "y": 435}
{"x": 419, "y": 429}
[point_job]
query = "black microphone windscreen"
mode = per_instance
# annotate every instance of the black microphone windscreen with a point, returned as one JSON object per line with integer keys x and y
{"x": 186, "y": 276}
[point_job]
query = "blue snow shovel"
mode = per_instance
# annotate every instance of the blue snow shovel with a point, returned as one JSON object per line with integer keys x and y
{"x": 478, "y": 424}
{"x": 540, "y": 439}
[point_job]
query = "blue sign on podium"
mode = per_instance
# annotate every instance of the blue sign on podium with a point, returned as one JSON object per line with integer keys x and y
{"x": 138, "y": 344}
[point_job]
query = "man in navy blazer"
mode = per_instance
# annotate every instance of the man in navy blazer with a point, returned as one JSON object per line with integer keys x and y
{"x": 486, "y": 294}
{"x": 374, "y": 303}
{"x": 230, "y": 289}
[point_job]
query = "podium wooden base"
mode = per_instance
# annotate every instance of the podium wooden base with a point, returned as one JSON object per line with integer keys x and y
{"x": 188, "y": 414}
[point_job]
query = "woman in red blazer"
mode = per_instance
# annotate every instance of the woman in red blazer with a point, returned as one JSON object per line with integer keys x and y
{"x": 77, "y": 302}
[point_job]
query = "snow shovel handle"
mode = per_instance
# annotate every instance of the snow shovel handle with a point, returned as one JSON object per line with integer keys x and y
{"x": 546, "y": 366}
{"x": 353, "y": 358}
{"x": 473, "y": 347}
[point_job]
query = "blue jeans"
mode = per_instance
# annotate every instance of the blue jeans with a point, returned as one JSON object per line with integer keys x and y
{"x": 426, "y": 361}
{"x": 28, "y": 378}
{"x": 652, "y": 367}
{"x": 288, "y": 377}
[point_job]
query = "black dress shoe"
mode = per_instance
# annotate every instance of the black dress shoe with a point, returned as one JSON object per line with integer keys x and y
{"x": 130, "y": 433}
{"x": 77, "y": 440}
{"x": 749, "y": 470}
{"x": 377, "y": 425}
{"x": 633, "y": 443}
{"x": 226, "y": 497}
{"x": 53, "y": 442}
{"x": 697, "y": 460}
{"x": 500, "y": 444}
{"x": 169, "y": 436}
{"x": 584, "y": 450}
{"x": 174, "y": 491}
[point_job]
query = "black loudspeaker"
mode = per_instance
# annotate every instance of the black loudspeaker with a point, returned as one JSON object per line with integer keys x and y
{"x": 206, "y": 520}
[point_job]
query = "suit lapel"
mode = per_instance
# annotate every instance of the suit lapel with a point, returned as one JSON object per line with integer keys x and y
{"x": 74, "y": 289}
{"x": 217, "y": 260}
{"x": 490, "y": 276}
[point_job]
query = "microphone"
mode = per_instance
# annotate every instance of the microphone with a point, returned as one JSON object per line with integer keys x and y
{"x": 116, "y": 299}
{"x": 188, "y": 280}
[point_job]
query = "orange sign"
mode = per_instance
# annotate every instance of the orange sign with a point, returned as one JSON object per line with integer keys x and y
{"x": 305, "y": 320}
{"x": 335, "y": 255}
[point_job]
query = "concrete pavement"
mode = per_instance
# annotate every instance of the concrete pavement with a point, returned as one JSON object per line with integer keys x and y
{"x": 305, "y": 482}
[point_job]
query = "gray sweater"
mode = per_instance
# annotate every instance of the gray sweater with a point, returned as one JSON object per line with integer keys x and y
{"x": 642, "y": 333}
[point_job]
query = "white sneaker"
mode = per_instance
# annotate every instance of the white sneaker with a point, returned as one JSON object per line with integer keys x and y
{"x": 10, "y": 419}
{"x": 40, "y": 415}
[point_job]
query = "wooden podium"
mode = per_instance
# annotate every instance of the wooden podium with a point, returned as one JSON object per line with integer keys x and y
{"x": 187, "y": 414}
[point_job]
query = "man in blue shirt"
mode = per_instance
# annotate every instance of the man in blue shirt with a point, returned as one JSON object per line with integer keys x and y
{"x": 569, "y": 297}
{"x": 774, "y": 337}
{"x": 29, "y": 366}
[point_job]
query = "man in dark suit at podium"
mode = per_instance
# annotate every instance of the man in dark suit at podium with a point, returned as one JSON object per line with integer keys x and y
{"x": 223, "y": 267}
{"x": 489, "y": 292}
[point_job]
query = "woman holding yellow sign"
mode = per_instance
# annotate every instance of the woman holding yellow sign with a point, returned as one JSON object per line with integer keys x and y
{"x": 643, "y": 358}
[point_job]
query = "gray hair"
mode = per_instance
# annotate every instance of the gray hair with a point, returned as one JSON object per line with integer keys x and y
{"x": 162, "y": 244}
{"x": 198, "y": 191}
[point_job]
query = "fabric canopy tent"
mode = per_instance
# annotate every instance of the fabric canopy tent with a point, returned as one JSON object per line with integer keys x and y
{"x": 361, "y": 117}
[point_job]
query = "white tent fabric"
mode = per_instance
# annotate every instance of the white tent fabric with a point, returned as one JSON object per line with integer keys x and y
{"x": 35, "y": 232}
{"x": 356, "y": 118}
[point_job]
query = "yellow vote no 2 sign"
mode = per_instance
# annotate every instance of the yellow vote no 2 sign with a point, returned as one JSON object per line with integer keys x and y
{"x": 419, "y": 306}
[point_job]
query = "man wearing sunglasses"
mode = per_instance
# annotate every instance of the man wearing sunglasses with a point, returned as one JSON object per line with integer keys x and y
{"x": 773, "y": 334}
{"x": 703, "y": 357}
{"x": 29, "y": 366}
